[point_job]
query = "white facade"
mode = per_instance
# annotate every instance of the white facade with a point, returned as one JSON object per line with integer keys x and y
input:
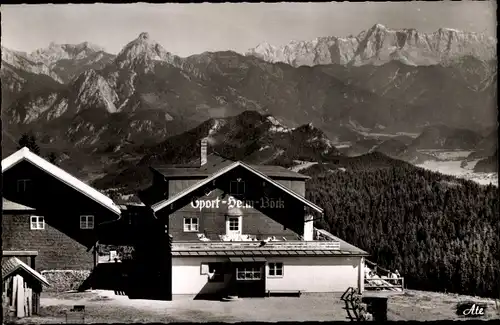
{"x": 307, "y": 273}
{"x": 187, "y": 277}
{"x": 315, "y": 274}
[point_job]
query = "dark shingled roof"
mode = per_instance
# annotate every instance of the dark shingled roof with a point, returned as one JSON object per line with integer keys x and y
{"x": 215, "y": 163}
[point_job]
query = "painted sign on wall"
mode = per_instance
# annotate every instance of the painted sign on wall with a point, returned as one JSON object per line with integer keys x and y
{"x": 231, "y": 202}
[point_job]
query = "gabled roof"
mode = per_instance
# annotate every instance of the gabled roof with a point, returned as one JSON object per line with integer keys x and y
{"x": 215, "y": 163}
{"x": 25, "y": 154}
{"x": 12, "y": 264}
{"x": 160, "y": 205}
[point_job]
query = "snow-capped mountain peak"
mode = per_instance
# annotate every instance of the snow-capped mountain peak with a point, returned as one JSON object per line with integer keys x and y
{"x": 379, "y": 45}
{"x": 55, "y": 52}
{"x": 20, "y": 61}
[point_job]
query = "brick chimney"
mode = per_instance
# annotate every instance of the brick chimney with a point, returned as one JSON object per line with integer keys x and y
{"x": 308, "y": 227}
{"x": 203, "y": 153}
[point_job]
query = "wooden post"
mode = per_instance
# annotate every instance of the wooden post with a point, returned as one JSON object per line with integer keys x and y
{"x": 14, "y": 292}
{"x": 30, "y": 302}
{"x": 20, "y": 297}
{"x": 95, "y": 253}
{"x": 36, "y": 303}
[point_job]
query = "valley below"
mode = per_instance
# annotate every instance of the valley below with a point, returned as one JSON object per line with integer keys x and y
{"x": 454, "y": 163}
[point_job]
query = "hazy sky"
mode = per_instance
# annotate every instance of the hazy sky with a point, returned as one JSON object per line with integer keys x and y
{"x": 186, "y": 29}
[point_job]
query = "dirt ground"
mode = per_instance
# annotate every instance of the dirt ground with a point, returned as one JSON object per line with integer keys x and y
{"x": 106, "y": 307}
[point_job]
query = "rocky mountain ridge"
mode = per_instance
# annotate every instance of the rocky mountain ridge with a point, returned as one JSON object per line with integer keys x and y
{"x": 379, "y": 45}
{"x": 146, "y": 94}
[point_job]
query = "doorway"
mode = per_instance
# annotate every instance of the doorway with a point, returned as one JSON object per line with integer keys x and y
{"x": 248, "y": 279}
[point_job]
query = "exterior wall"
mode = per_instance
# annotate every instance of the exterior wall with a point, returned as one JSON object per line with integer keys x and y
{"x": 315, "y": 274}
{"x": 51, "y": 196}
{"x": 212, "y": 221}
{"x": 177, "y": 185}
{"x": 56, "y": 250}
{"x": 188, "y": 280}
{"x": 294, "y": 185}
{"x": 62, "y": 245}
{"x": 310, "y": 274}
{"x": 286, "y": 219}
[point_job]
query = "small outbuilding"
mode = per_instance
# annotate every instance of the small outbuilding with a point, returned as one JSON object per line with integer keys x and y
{"x": 21, "y": 290}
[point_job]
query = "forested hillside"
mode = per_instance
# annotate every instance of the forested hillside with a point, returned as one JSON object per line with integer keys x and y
{"x": 441, "y": 233}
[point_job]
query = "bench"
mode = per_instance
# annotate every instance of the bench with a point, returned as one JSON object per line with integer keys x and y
{"x": 294, "y": 293}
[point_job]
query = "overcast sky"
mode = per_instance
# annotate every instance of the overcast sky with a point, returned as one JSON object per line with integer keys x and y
{"x": 186, "y": 29}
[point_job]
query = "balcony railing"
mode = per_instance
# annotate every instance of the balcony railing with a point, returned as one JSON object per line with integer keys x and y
{"x": 384, "y": 284}
{"x": 256, "y": 245}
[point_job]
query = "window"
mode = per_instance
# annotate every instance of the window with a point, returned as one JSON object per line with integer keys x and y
{"x": 37, "y": 223}
{"x": 276, "y": 269}
{"x": 23, "y": 185}
{"x": 233, "y": 225}
{"x": 86, "y": 222}
{"x": 248, "y": 273}
{"x": 191, "y": 224}
{"x": 237, "y": 187}
{"x": 215, "y": 271}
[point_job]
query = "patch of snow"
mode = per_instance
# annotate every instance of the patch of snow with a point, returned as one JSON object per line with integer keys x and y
{"x": 454, "y": 168}
{"x": 126, "y": 197}
{"x": 215, "y": 127}
{"x": 279, "y": 129}
{"x": 123, "y": 105}
{"x": 274, "y": 121}
{"x": 377, "y": 135}
{"x": 303, "y": 165}
{"x": 447, "y": 154}
{"x": 411, "y": 135}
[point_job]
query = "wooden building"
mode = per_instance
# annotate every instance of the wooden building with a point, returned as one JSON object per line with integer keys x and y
{"x": 50, "y": 214}
{"x": 245, "y": 230}
{"x": 22, "y": 286}
{"x": 218, "y": 227}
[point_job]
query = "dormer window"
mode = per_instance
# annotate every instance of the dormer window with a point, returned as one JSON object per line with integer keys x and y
{"x": 191, "y": 224}
{"x": 237, "y": 187}
{"x": 233, "y": 225}
{"x": 86, "y": 222}
{"x": 23, "y": 185}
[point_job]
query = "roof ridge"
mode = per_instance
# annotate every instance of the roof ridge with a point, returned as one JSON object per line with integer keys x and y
{"x": 160, "y": 205}
{"x": 59, "y": 173}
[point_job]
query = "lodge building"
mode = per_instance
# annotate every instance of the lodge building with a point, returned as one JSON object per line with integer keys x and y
{"x": 217, "y": 227}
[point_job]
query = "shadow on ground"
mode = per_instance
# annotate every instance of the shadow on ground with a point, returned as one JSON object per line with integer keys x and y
{"x": 126, "y": 279}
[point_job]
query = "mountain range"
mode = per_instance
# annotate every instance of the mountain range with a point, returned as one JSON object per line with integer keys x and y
{"x": 78, "y": 98}
{"x": 261, "y": 139}
{"x": 379, "y": 45}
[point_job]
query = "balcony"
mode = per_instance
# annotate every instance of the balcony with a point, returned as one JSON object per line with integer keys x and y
{"x": 231, "y": 248}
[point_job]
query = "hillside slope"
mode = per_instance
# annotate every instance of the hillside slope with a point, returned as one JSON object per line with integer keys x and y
{"x": 419, "y": 222}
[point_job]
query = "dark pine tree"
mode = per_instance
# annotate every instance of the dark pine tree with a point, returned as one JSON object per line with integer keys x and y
{"x": 28, "y": 140}
{"x": 52, "y": 157}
